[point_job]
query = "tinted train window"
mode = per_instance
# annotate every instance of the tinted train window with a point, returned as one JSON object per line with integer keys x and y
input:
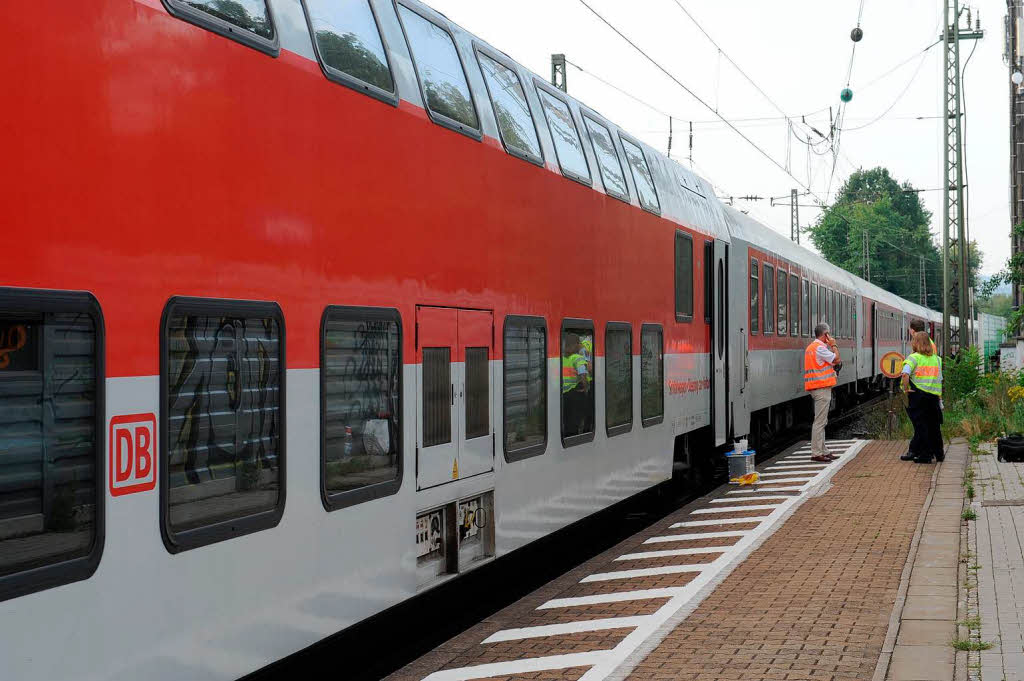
{"x": 515, "y": 122}
{"x": 806, "y": 318}
{"x": 822, "y": 307}
{"x": 525, "y": 392}
{"x": 709, "y": 256}
{"x": 360, "y": 404}
{"x": 222, "y": 436}
{"x": 568, "y": 147}
{"x": 348, "y": 42}
{"x": 782, "y": 293}
{"x": 607, "y": 159}
{"x": 51, "y": 439}
{"x": 754, "y": 309}
{"x": 247, "y": 21}
{"x": 684, "y": 277}
{"x": 577, "y": 381}
{"x": 814, "y": 307}
{"x": 769, "y": 298}
{"x": 794, "y": 305}
{"x": 652, "y": 372}
{"x": 439, "y": 69}
{"x": 618, "y": 381}
{"x": 642, "y": 177}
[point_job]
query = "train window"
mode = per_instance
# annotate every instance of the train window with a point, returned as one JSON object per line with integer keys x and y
{"x": 52, "y": 418}
{"x": 822, "y": 309}
{"x": 250, "y": 22}
{"x": 769, "y": 299}
{"x": 642, "y": 177}
{"x": 525, "y": 387}
{"x": 348, "y": 44}
{"x": 782, "y": 292}
{"x": 652, "y": 372}
{"x": 618, "y": 378}
{"x": 684, "y": 277}
{"x": 222, "y": 435}
{"x": 577, "y": 382}
{"x": 566, "y": 138}
{"x": 709, "y": 256}
{"x": 794, "y": 305}
{"x": 607, "y": 159}
{"x": 806, "y": 328}
{"x": 360, "y": 404}
{"x": 754, "y": 309}
{"x": 441, "y": 75}
{"x": 515, "y": 122}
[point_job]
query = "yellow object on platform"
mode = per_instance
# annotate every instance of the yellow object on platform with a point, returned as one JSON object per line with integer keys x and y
{"x": 748, "y": 479}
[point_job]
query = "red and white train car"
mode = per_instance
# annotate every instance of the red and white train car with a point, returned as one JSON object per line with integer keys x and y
{"x": 282, "y": 322}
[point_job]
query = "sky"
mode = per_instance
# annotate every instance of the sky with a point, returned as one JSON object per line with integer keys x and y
{"x": 798, "y": 53}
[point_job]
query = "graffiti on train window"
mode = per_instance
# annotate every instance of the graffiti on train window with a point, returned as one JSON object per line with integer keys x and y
{"x": 618, "y": 383}
{"x": 360, "y": 398}
{"x": 525, "y": 390}
{"x": 223, "y": 441}
{"x": 578, "y": 388}
{"x": 652, "y": 374}
{"x": 48, "y": 439}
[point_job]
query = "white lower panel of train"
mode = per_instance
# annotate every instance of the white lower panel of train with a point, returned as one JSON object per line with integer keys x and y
{"x": 229, "y": 608}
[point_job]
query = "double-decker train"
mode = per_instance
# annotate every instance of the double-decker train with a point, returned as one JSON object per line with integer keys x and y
{"x": 288, "y": 290}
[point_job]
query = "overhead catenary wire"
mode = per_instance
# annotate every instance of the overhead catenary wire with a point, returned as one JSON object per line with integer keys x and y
{"x": 678, "y": 82}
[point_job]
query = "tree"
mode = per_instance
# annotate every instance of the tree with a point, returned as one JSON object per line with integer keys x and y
{"x": 897, "y": 226}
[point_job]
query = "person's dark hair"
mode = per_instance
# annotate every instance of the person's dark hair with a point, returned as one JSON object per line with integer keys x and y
{"x": 917, "y": 325}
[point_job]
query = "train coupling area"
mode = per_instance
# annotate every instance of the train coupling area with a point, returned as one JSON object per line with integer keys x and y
{"x": 809, "y": 573}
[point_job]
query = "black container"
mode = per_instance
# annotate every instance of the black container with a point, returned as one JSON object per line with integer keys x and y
{"x": 1011, "y": 448}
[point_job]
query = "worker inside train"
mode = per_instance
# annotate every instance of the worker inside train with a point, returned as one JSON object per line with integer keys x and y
{"x": 577, "y": 395}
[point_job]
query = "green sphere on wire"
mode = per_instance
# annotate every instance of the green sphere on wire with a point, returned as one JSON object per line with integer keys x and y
{"x": 846, "y": 95}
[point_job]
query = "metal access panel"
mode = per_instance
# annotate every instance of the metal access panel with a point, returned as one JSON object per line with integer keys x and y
{"x": 455, "y": 424}
{"x": 436, "y": 552}
{"x": 720, "y": 344}
{"x": 475, "y": 528}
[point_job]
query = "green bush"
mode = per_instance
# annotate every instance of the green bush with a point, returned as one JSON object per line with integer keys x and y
{"x": 962, "y": 376}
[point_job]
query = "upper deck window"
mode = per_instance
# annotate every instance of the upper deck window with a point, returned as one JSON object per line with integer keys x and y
{"x": 247, "y": 21}
{"x": 607, "y": 159}
{"x": 348, "y": 44}
{"x": 515, "y": 122}
{"x": 568, "y": 147}
{"x": 641, "y": 176}
{"x": 439, "y": 67}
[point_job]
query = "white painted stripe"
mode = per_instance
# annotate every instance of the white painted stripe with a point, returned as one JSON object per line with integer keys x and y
{"x": 791, "y": 466}
{"x": 733, "y": 509}
{"x": 781, "y": 480}
{"x": 773, "y": 489}
{"x": 532, "y": 664}
{"x": 565, "y": 628}
{"x": 783, "y": 474}
{"x": 696, "y": 535}
{"x": 645, "y": 572}
{"x": 674, "y": 552}
{"x": 767, "y": 496}
{"x": 596, "y": 599}
{"x": 720, "y": 521}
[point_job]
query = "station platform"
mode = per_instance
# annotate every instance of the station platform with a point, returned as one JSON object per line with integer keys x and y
{"x": 846, "y": 570}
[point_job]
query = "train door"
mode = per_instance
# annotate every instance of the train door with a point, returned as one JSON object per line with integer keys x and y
{"x": 719, "y": 345}
{"x": 454, "y": 431}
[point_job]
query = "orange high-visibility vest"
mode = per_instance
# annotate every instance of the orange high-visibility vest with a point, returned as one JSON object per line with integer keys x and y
{"x": 817, "y": 375}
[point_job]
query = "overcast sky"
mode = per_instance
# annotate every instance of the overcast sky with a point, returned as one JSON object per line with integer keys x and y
{"x": 798, "y": 53}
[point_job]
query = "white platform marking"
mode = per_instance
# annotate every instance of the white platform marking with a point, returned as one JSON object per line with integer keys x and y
{"x": 798, "y": 488}
{"x": 531, "y": 664}
{"x": 783, "y": 474}
{"x": 639, "y": 595}
{"x": 720, "y": 521}
{"x": 565, "y": 628}
{"x": 675, "y": 552}
{"x": 757, "y": 498}
{"x": 733, "y": 509}
{"x": 645, "y": 572}
{"x": 690, "y": 537}
{"x": 778, "y": 481}
{"x": 792, "y": 466}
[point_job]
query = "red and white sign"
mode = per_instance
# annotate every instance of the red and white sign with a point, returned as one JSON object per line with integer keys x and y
{"x": 132, "y": 460}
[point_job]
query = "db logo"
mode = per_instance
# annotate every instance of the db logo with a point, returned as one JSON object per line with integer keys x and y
{"x": 132, "y": 462}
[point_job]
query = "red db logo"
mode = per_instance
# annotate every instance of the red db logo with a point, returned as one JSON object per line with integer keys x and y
{"x": 132, "y": 465}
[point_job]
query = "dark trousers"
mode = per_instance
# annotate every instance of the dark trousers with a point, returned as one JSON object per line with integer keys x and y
{"x": 574, "y": 406}
{"x": 926, "y": 415}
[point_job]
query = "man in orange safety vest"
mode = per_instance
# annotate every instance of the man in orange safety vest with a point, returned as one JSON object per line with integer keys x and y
{"x": 820, "y": 360}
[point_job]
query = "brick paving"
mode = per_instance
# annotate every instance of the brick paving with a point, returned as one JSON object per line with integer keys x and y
{"x": 813, "y": 602}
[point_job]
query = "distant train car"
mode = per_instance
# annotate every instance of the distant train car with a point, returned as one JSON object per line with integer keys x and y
{"x": 318, "y": 305}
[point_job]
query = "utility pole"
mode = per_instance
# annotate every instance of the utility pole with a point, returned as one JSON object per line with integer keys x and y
{"x": 866, "y": 255}
{"x": 955, "y": 272}
{"x": 1014, "y": 56}
{"x": 558, "y": 74}
{"x": 923, "y": 283}
{"x": 794, "y": 217}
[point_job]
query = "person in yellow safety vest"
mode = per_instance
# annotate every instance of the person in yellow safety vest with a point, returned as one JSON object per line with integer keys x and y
{"x": 922, "y": 383}
{"x": 587, "y": 352}
{"x": 820, "y": 360}
{"x": 575, "y": 386}
{"x": 917, "y": 326}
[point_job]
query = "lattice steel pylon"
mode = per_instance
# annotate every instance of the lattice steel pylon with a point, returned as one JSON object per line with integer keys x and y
{"x": 955, "y": 272}
{"x": 794, "y": 217}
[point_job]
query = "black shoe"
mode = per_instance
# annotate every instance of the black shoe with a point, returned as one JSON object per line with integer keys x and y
{"x": 922, "y": 460}
{"x": 907, "y": 457}
{"x": 940, "y": 457}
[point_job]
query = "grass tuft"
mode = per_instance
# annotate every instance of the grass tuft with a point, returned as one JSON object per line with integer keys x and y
{"x": 969, "y": 514}
{"x": 961, "y": 644}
